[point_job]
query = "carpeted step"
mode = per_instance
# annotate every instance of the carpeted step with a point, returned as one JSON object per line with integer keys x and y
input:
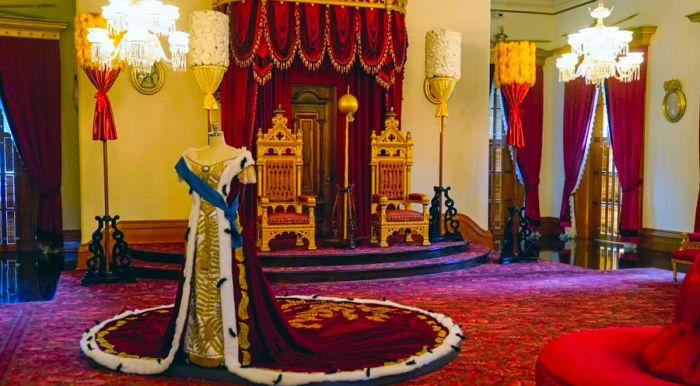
{"x": 297, "y": 257}
{"x": 155, "y": 270}
{"x": 474, "y": 256}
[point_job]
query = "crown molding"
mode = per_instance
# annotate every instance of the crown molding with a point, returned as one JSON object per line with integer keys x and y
{"x": 31, "y": 28}
{"x": 642, "y": 36}
{"x": 694, "y": 17}
{"x": 538, "y": 7}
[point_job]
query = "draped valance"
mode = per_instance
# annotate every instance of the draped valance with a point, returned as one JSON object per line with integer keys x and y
{"x": 271, "y": 34}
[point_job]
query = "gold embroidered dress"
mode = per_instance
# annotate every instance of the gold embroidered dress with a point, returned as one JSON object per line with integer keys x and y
{"x": 204, "y": 342}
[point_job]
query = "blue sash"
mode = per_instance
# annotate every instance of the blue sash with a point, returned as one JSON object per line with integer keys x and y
{"x": 213, "y": 197}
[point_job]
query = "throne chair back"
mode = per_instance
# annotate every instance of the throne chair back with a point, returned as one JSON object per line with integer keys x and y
{"x": 390, "y": 172}
{"x": 282, "y": 209}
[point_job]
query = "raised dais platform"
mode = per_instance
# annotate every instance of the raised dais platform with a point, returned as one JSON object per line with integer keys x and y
{"x": 163, "y": 261}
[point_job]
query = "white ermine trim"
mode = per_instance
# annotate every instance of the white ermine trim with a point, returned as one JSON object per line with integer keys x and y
{"x": 267, "y": 376}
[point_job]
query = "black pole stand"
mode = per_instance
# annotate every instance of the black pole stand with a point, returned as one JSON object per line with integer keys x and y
{"x": 449, "y": 223}
{"x": 526, "y": 251}
{"x": 119, "y": 269}
{"x": 344, "y": 239}
{"x": 100, "y": 268}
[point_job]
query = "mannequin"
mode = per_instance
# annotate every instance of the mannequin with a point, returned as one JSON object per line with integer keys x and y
{"x": 217, "y": 150}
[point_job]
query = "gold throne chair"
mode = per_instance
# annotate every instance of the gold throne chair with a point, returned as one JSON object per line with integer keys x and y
{"x": 282, "y": 209}
{"x": 390, "y": 173}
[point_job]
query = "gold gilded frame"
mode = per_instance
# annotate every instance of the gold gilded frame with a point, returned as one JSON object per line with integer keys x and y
{"x": 674, "y": 86}
{"x": 158, "y": 69}
{"x": 389, "y": 5}
{"x": 392, "y": 145}
{"x": 279, "y": 143}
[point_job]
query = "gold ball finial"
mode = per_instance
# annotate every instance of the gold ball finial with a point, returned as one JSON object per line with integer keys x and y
{"x": 347, "y": 103}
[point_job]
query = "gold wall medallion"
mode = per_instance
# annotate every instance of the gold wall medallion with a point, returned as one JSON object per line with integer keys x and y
{"x": 674, "y": 103}
{"x": 151, "y": 83}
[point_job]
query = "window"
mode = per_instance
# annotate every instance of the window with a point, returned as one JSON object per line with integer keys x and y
{"x": 8, "y": 191}
{"x": 610, "y": 190}
{"x": 598, "y": 198}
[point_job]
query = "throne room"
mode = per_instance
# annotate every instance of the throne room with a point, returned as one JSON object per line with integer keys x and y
{"x": 336, "y": 192}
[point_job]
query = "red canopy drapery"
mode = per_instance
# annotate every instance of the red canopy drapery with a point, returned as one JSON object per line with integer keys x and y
{"x": 362, "y": 46}
{"x": 625, "y": 103}
{"x": 269, "y": 35}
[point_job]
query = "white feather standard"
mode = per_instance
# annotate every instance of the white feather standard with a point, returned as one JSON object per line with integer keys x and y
{"x": 209, "y": 39}
{"x": 443, "y": 54}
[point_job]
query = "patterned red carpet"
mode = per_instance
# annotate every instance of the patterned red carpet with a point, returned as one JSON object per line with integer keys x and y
{"x": 507, "y": 313}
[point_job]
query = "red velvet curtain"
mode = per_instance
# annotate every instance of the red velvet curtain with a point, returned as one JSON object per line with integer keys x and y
{"x": 578, "y": 115}
{"x": 103, "y": 127}
{"x": 530, "y": 156}
{"x": 30, "y": 88}
{"x": 365, "y": 49}
{"x": 697, "y": 206}
{"x": 625, "y": 104}
{"x": 515, "y": 94}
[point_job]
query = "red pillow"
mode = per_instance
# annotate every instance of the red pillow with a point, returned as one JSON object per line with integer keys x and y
{"x": 674, "y": 353}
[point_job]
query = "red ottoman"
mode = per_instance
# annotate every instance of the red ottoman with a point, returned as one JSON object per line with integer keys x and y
{"x": 605, "y": 357}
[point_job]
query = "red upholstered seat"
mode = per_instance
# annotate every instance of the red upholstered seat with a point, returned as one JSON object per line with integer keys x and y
{"x": 604, "y": 357}
{"x": 282, "y": 218}
{"x": 694, "y": 236}
{"x": 396, "y": 215}
{"x": 685, "y": 254}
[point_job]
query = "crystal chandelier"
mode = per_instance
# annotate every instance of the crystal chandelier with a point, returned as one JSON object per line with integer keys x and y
{"x": 605, "y": 52}
{"x": 137, "y": 26}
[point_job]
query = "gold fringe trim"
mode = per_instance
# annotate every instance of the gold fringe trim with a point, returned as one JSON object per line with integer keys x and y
{"x": 387, "y": 57}
{"x": 388, "y": 5}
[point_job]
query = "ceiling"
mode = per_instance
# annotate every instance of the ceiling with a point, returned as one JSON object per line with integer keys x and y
{"x": 538, "y": 6}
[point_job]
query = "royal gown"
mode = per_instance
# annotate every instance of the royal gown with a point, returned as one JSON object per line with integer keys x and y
{"x": 225, "y": 313}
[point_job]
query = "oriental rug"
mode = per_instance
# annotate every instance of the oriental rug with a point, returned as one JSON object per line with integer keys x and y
{"x": 507, "y": 313}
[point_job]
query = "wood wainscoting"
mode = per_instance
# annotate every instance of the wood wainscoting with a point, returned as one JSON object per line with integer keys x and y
{"x": 143, "y": 231}
{"x": 660, "y": 240}
{"x": 549, "y": 227}
{"x": 470, "y": 230}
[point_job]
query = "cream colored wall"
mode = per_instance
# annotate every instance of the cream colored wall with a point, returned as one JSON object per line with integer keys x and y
{"x": 671, "y": 149}
{"x": 153, "y": 131}
{"x": 466, "y": 136}
{"x": 70, "y": 192}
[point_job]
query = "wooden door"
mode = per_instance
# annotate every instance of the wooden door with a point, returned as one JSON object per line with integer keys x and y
{"x": 597, "y": 200}
{"x": 314, "y": 115}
